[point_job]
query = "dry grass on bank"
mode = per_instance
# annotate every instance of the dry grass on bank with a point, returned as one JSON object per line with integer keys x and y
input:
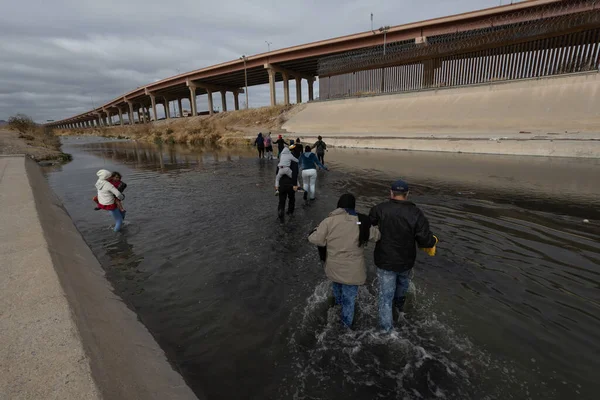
{"x": 226, "y": 129}
{"x": 24, "y": 136}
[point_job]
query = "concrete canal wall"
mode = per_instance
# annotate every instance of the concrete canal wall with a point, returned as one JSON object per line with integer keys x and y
{"x": 64, "y": 333}
{"x": 554, "y": 116}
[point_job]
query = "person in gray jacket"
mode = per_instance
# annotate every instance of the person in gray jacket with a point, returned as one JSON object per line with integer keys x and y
{"x": 345, "y": 233}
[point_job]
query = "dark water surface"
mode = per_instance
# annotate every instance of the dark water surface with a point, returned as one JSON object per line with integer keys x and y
{"x": 508, "y": 309}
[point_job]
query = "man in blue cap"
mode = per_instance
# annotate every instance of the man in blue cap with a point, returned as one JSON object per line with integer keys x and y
{"x": 403, "y": 227}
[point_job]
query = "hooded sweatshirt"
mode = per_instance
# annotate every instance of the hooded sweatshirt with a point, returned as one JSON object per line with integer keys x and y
{"x": 107, "y": 192}
{"x": 286, "y": 158}
{"x": 308, "y": 161}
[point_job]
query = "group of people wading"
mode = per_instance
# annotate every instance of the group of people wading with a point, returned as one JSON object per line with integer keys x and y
{"x": 293, "y": 158}
{"x": 398, "y": 227}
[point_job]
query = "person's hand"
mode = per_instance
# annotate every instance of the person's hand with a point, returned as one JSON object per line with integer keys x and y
{"x": 295, "y": 188}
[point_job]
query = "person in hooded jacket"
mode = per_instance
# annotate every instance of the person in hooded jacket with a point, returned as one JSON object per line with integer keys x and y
{"x": 345, "y": 234}
{"x": 288, "y": 185}
{"x": 107, "y": 194}
{"x": 309, "y": 163}
{"x": 260, "y": 145}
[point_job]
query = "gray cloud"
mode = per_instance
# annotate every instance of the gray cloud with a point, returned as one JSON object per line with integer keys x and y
{"x": 59, "y": 57}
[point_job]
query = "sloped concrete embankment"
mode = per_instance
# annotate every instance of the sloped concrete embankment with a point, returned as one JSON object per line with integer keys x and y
{"x": 555, "y": 116}
{"x": 64, "y": 334}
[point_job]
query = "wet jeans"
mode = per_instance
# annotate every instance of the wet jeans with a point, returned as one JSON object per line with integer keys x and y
{"x": 118, "y": 216}
{"x": 392, "y": 288}
{"x": 345, "y": 295}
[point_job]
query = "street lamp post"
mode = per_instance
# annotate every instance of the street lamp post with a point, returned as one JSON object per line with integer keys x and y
{"x": 244, "y": 58}
{"x": 268, "y": 45}
{"x": 384, "y": 30}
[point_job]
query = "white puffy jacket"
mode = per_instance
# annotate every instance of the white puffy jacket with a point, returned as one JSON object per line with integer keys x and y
{"x": 106, "y": 190}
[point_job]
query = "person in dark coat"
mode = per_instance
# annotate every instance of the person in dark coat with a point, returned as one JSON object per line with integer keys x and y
{"x": 280, "y": 142}
{"x": 403, "y": 227}
{"x": 287, "y": 188}
{"x": 260, "y": 145}
{"x": 321, "y": 147}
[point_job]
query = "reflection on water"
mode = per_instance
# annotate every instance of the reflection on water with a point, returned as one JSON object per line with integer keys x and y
{"x": 508, "y": 309}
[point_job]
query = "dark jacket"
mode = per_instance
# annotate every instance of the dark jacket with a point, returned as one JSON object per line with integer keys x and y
{"x": 260, "y": 141}
{"x": 403, "y": 227}
{"x": 285, "y": 181}
{"x": 321, "y": 146}
{"x": 280, "y": 144}
{"x": 298, "y": 150}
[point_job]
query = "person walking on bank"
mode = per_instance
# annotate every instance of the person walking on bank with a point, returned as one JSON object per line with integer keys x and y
{"x": 403, "y": 227}
{"x": 280, "y": 145}
{"x": 287, "y": 188}
{"x": 346, "y": 234}
{"x": 309, "y": 163}
{"x": 107, "y": 196}
{"x": 269, "y": 146}
{"x": 260, "y": 145}
{"x": 321, "y": 147}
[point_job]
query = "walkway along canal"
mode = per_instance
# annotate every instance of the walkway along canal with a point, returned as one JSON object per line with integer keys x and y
{"x": 507, "y": 309}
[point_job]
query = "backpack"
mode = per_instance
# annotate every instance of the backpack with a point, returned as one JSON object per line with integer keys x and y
{"x": 267, "y": 142}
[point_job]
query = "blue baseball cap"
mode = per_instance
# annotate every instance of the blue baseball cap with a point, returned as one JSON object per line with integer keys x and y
{"x": 400, "y": 186}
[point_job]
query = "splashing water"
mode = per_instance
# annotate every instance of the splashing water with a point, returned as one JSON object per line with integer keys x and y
{"x": 422, "y": 357}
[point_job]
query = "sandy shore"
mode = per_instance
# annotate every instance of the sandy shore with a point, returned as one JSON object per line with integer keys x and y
{"x": 11, "y": 144}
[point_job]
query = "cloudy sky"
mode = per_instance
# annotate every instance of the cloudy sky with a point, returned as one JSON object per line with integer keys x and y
{"x": 60, "y": 57}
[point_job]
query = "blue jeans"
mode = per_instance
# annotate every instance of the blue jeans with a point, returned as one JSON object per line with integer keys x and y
{"x": 392, "y": 288}
{"x": 118, "y": 216}
{"x": 345, "y": 295}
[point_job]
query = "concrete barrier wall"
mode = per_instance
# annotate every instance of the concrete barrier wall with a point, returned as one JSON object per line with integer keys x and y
{"x": 563, "y": 110}
{"x": 101, "y": 335}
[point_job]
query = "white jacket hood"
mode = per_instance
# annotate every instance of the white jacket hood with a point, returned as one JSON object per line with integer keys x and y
{"x": 102, "y": 175}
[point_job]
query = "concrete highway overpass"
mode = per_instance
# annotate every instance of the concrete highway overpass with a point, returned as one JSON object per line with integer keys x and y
{"x": 528, "y": 39}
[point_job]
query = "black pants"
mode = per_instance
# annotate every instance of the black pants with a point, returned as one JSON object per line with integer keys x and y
{"x": 321, "y": 157}
{"x": 261, "y": 152}
{"x": 286, "y": 193}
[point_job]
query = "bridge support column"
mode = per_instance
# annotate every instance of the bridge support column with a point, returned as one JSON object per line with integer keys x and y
{"x": 224, "y": 100}
{"x": 236, "y": 100}
{"x": 167, "y": 111}
{"x": 180, "y": 107}
{"x": 193, "y": 99}
{"x": 120, "y": 116}
{"x": 298, "y": 90}
{"x": 153, "y": 100}
{"x": 311, "y": 92}
{"x": 210, "y": 101}
{"x": 99, "y": 120}
{"x": 272, "y": 86}
{"x": 131, "y": 115}
{"x": 144, "y": 114}
{"x": 286, "y": 88}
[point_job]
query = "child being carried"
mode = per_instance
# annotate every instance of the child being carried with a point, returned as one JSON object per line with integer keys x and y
{"x": 115, "y": 180}
{"x": 285, "y": 160}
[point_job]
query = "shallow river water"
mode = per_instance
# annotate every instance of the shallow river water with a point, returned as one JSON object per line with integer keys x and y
{"x": 508, "y": 309}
